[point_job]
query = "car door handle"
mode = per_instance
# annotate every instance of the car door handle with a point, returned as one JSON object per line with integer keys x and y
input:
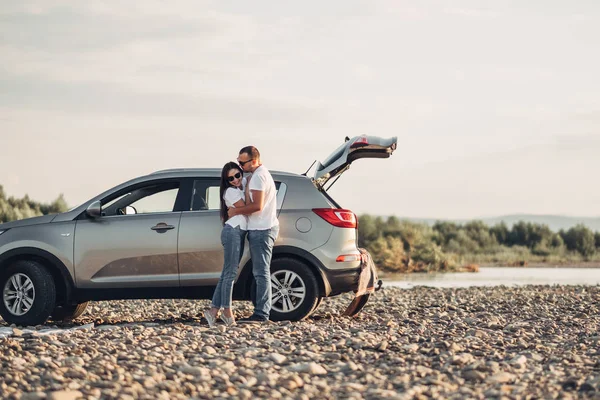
{"x": 162, "y": 227}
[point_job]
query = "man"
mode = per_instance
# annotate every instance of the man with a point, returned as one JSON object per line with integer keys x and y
{"x": 263, "y": 227}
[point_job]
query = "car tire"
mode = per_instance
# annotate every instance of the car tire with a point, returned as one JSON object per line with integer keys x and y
{"x": 28, "y": 293}
{"x": 68, "y": 312}
{"x": 317, "y": 304}
{"x": 287, "y": 303}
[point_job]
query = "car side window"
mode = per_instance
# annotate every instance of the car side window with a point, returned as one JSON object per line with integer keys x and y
{"x": 206, "y": 195}
{"x": 153, "y": 198}
{"x": 159, "y": 202}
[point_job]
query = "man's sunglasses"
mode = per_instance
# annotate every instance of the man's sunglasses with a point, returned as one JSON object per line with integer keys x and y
{"x": 242, "y": 163}
{"x": 236, "y": 176}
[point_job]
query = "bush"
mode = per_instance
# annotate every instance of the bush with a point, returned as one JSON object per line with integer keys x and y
{"x": 430, "y": 257}
{"x": 480, "y": 233}
{"x": 12, "y": 209}
{"x": 462, "y": 244}
{"x": 388, "y": 254}
{"x": 580, "y": 239}
{"x": 500, "y": 232}
{"x": 445, "y": 232}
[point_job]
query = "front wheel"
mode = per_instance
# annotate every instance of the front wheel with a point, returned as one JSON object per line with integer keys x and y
{"x": 294, "y": 290}
{"x": 28, "y": 293}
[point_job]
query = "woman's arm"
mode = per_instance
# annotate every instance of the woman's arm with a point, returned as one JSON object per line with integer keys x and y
{"x": 252, "y": 207}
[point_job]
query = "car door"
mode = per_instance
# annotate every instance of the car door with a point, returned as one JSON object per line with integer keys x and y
{"x": 134, "y": 242}
{"x": 353, "y": 149}
{"x": 200, "y": 248}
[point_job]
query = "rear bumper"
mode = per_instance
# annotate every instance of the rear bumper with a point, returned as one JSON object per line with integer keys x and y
{"x": 341, "y": 281}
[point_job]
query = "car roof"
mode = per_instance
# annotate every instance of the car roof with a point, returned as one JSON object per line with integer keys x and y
{"x": 178, "y": 172}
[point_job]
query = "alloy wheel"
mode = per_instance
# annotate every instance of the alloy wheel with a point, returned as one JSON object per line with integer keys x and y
{"x": 288, "y": 291}
{"x": 18, "y": 294}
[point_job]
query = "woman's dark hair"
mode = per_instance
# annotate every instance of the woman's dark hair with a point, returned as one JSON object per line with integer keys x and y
{"x": 225, "y": 184}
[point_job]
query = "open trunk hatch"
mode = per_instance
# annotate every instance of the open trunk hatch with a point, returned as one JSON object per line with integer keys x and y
{"x": 353, "y": 149}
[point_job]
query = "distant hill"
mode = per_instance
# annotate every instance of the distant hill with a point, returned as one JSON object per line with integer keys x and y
{"x": 555, "y": 222}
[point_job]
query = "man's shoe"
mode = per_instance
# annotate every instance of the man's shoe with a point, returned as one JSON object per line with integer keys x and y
{"x": 253, "y": 319}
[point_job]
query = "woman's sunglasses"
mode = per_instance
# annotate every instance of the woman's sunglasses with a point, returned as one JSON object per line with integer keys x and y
{"x": 236, "y": 176}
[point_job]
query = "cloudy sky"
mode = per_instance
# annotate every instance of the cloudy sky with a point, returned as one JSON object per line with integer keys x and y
{"x": 495, "y": 103}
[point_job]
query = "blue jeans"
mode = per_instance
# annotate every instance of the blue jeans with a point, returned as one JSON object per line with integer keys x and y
{"x": 261, "y": 251}
{"x": 232, "y": 240}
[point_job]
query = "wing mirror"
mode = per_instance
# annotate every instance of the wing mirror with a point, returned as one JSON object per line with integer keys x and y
{"x": 94, "y": 210}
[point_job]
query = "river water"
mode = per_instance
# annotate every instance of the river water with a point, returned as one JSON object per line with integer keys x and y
{"x": 490, "y": 276}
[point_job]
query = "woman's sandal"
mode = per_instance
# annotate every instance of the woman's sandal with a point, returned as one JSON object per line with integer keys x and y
{"x": 229, "y": 321}
{"x": 212, "y": 320}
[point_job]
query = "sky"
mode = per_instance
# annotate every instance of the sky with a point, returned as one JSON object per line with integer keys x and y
{"x": 495, "y": 103}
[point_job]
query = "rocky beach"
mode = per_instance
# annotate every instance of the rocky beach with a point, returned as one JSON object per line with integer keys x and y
{"x": 480, "y": 342}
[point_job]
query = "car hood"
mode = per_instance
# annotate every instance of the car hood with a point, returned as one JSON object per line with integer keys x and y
{"x": 44, "y": 219}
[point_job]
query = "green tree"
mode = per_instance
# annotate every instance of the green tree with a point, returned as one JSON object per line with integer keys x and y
{"x": 392, "y": 227}
{"x": 12, "y": 209}
{"x": 500, "y": 232}
{"x": 446, "y": 231}
{"x": 57, "y": 206}
{"x": 597, "y": 240}
{"x": 367, "y": 230}
{"x": 388, "y": 254}
{"x": 479, "y": 232}
{"x": 462, "y": 244}
{"x": 431, "y": 256}
{"x": 581, "y": 239}
{"x": 557, "y": 241}
{"x": 519, "y": 234}
{"x": 411, "y": 234}
{"x": 540, "y": 234}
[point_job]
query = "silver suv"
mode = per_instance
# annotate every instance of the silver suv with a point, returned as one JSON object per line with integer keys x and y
{"x": 158, "y": 236}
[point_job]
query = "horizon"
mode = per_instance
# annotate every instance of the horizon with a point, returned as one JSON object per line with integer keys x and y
{"x": 489, "y": 121}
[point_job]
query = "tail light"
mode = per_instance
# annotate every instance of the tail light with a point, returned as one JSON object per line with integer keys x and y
{"x": 337, "y": 217}
{"x": 348, "y": 258}
{"x": 360, "y": 142}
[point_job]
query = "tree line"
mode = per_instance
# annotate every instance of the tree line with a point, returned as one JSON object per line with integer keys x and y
{"x": 405, "y": 246}
{"x": 12, "y": 208}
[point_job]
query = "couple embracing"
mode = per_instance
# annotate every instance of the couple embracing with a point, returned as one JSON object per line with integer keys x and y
{"x": 248, "y": 208}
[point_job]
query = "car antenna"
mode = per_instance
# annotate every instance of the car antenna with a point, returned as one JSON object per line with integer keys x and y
{"x": 311, "y": 165}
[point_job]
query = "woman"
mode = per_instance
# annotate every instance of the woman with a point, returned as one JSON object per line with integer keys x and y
{"x": 232, "y": 239}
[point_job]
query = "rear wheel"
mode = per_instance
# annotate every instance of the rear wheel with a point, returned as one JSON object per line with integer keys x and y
{"x": 294, "y": 290}
{"x": 317, "y": 304}
{"x": 28, "y": 293}
{"x": 68, "y": 312}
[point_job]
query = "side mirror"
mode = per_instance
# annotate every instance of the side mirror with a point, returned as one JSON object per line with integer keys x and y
{"x": 94, "y": 210}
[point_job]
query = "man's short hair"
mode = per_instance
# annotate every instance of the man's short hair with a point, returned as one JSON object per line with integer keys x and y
{"x": 252, "y": 152}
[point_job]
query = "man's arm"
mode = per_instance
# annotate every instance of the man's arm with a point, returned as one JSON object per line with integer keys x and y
{"x": 251, "y": 206}
{"x": 247, "y": 191}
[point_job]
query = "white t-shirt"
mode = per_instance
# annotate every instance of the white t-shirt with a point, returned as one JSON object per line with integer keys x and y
{"x": 233, "y": 195}
{"x": 266, "y": 218}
